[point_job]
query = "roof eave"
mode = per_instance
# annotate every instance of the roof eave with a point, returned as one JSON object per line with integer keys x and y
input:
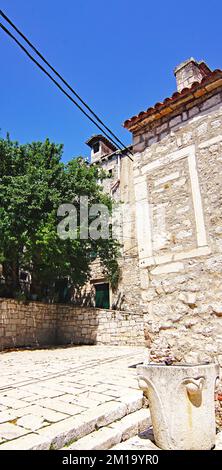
{"x": 171, "y": 104}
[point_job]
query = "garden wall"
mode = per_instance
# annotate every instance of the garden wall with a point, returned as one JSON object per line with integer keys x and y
{"x": 38, "y": 324}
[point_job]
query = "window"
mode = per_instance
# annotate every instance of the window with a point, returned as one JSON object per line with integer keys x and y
{"x": 93, "y": 255}
{"x": 102, "y": 295}
{"x": 23, "y": 276}
{"x": 96, "y": 147}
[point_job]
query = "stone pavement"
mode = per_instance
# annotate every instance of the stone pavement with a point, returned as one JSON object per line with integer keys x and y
{"x": 46, "y": 395}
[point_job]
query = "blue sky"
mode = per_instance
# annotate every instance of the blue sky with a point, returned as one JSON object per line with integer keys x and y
{"x": 119, "y": 55}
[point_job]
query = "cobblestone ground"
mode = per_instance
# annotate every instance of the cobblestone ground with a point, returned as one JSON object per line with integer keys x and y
{"x": 41, "y": 387}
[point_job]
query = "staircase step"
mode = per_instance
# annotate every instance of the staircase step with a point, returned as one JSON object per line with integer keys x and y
{"x": 143, "y": 441}
{"x": 108, "y": 436}
{"x": 75, "y": 428}
{"x": 102, "y": 439}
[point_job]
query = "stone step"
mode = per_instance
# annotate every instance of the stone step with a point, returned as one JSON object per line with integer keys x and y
{"x": 60, "y": 434}
{"x": 145, "y": 441}
{"x": 218, "y": 445}
{"x": 108, "y": 436}
{"x": 142, "y": 441}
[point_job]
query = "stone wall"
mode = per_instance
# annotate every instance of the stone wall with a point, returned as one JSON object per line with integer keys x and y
{"x": 98, "y": 326}
{"x": 177, "y": 175}
{"x": 38, "y": 324}
{"x": 26, "y": 324}
{"x": 127, "y": 294}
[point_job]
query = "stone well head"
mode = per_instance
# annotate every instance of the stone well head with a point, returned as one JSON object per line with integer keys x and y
{"x": 181, "y": 401}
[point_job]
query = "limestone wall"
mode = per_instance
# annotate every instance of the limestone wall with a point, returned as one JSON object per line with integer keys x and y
{"x": 177, "y": 175}
{"x": 127, "y": 295}
{"x": 38, "y": 324}
{"x": 98, "y": 326}
{"x": 26, "y": 323}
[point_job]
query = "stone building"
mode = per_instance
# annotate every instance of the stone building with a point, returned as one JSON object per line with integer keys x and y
{"x": 172, "y": 260}
{"x": 119, "y": 184}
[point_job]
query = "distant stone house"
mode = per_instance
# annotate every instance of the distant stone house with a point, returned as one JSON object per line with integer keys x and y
{"x": 119, "y": 185}
{"x": 171, "y": 261}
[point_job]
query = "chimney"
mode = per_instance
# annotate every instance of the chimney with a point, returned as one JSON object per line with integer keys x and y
{"x": 100, "y": 146}
{"x": 189, "y": 72}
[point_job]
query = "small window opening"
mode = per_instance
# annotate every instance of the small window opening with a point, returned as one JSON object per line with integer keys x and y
{"x": 96, "y": 147}
{"x": 23, "y": 276}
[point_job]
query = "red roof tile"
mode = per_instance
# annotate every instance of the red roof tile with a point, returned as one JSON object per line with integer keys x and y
{"x": 176, "y": 96}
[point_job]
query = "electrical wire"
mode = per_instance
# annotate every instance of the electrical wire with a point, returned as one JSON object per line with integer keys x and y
{"x": 125, "y": 149}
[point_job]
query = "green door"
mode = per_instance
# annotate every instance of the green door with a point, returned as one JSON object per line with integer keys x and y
{"x": 102, "y": 295}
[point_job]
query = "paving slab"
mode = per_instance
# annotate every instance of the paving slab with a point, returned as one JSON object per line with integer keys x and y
{"x": 59, "y": 393}
{"x": 11, "y": 431}
{"x": 136, "y": 443}
{"x": 102, "y": 439}
{"x": 31, "y": 422}
{"x": 143, "y": 441}
{"x": 108, "y": 436}
{"x": 132, "y": 424}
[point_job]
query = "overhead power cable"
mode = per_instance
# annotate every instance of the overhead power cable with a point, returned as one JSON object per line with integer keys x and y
{"x": 124, "y": 149}
{"x": 55, "y": 81}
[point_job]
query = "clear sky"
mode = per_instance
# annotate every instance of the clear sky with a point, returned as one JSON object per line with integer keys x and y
{"x": 119, "y": 55}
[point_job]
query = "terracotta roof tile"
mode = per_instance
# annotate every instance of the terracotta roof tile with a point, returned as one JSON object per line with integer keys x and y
{"x": 176, "y": 96}
{"x": 99, "y": 137}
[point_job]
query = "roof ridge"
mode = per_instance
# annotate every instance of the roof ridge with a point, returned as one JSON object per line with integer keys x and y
{"x": 211, "y": 76}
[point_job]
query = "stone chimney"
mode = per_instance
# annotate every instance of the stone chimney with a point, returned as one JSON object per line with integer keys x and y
{"x": 100, "y": 146}
{"x": 189, "y": 72}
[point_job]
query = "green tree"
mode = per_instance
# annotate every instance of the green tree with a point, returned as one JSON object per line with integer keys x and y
{"x": 33, "y": 184}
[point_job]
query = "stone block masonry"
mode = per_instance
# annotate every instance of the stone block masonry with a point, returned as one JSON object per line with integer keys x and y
{"x": 38, "y": 324}
{"x": 177, "y": 179}
{"x": 26, "y": 324}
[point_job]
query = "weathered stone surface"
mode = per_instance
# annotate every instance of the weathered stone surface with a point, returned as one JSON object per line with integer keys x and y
{"x": 67, "y": 430}
{"x": 137, "y": 443}
{"x": 60, "y": 406}
{"x": 67, "y": 325}
{"x": 217, "y": 308}
{"x": 8, "y": 415}
{"x": 74, "y": 373}
{"x": 29, "y": 442}
{"x": 133, "y": 424}
{"x": 218, "y": 445}
{"x": 188, "y": 298}
{"x": 12, "y": 402}
{"x": 31, "y": 422}
{"x": 133, "y": 401}
{"x": 102, "y": 439}
{"x": 11, "y": 431}
{"x": 107, "y": 413}
{"x": 47, "y": 414}
{"x": 168, "y": 268}
{"x": 186, "y": 314}
{"x": 190, "y": 425}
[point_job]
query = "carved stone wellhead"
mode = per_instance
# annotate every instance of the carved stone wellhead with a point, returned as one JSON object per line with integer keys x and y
{"x": 181, "y": 401}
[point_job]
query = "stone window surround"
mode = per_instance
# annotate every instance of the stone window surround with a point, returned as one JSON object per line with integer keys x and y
{"x": 143, "y": 221}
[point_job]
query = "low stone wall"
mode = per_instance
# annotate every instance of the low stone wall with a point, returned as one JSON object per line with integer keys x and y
{"x": 39, "y": 324}
{"x": 98, "y": 326}
{"x": 26, "y": 324}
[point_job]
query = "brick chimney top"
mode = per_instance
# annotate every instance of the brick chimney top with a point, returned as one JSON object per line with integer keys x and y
{"x": 189, "y": 72}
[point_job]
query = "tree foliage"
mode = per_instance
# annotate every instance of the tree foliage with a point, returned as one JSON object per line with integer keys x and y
{"x": 33, "y": 184}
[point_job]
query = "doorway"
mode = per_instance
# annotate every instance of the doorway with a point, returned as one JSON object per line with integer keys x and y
{"x": 102, "y": 299}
